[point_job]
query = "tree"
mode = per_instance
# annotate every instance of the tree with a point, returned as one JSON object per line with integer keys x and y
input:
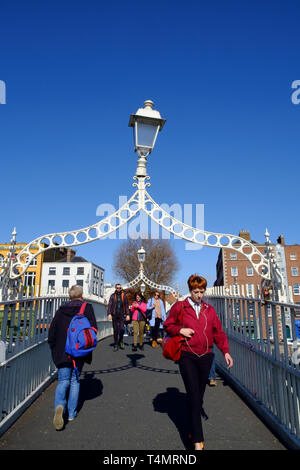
{"x": 160, "y": 265}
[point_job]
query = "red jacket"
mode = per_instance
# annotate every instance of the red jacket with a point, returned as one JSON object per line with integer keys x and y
{"x": 208, "y": 329}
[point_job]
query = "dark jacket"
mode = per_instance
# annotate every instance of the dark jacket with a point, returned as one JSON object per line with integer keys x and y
{"x": 112, "y": 305}
{"x": 208, "y": 328}
{"x": 58, "y": 332}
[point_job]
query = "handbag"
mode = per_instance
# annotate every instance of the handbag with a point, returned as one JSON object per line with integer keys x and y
{"x": 149, "y": 314}
{"x": 171, "y": 345}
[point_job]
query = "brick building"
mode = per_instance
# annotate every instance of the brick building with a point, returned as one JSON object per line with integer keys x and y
{"x": 236, "y": 272}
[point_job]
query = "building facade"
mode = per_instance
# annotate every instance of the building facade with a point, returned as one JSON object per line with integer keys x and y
{"x": 31, "y": 279}
{"x": 240, "y": 279}
{"x": 235, "y": 272}
{"x": 58, "y": 277}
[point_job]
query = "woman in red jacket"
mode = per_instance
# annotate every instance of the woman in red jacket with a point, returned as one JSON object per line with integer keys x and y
{"x": 200, "y": 328}
{"x": 139, "y": 318}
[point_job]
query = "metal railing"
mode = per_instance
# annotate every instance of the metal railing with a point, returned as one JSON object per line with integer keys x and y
{"x": 263, "y": 342}
{"x": 26, "y": 366}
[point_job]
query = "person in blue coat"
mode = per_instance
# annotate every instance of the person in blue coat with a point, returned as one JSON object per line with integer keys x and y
{"x": 158, "y": 316}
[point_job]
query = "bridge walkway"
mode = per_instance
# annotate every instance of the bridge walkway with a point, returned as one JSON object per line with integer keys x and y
{"x": 136, "y": 401}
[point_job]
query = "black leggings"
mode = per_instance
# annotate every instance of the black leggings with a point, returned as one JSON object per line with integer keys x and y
{"x": 155, "y": 329}
{"x": 194, "y": 371}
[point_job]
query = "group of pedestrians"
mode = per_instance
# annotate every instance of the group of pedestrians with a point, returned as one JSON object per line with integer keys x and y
{"x": 193, "y": 320}
{"x": 139, "y": 313}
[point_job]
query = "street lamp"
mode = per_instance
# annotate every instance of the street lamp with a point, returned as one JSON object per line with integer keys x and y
{"x": 141, "y": 255}
{"x": 146, "y": 123}
{"x": 143, "y": 287}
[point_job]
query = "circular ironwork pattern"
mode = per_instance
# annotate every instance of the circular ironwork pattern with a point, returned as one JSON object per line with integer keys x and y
{"x": 140, "y": 200}
{"x": 205, "y": 238}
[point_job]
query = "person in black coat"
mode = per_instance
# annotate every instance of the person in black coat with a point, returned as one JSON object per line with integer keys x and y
{"x": 118, "y": 312}
{"x": 68, "y": 376}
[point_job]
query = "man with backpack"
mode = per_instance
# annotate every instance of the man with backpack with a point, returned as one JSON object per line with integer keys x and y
{"x": 118, "y": 312}
{"x": 62, "y": 331}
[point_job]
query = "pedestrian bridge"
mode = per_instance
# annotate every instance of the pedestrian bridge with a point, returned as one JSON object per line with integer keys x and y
{"x": 136, "y": 401}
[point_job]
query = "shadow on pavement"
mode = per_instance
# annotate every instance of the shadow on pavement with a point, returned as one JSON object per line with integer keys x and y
{"x": 173, "y": 402}
{"x": 90, "y": 388}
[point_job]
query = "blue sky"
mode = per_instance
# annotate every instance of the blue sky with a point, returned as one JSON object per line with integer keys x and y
{"x": 220, "y": 72}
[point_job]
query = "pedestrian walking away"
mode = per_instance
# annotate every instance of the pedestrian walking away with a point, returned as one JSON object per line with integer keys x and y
{"x": 200, "y": 328}
{"x": 138, "y": 310}
{"x": 158, "y": 317}
{"x": 118, "y": 312}
{"x": 69, "y": 368}
{"x": 212, "y": 377}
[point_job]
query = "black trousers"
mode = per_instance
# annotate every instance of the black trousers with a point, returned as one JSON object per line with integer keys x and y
{"x": 155, "y": 329}
{"x": 194, "y": 371}
{"x": 118, "y": 327}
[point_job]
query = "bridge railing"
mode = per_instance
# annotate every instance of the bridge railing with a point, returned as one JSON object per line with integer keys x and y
{"x": 263, "y": 342}
{"x": 26, "y": 366}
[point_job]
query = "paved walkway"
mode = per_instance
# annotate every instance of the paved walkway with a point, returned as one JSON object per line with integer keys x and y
{"x": 136, "y": 401}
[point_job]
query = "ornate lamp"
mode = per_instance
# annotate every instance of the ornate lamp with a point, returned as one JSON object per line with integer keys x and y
{"x": 146, "y": 123}
{"x": 141, "y": 253}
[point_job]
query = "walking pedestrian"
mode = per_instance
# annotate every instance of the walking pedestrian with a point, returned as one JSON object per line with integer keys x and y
{"x": 212, "y": 377}
{"x": 138, "y": 309}
{"x": 68, "y": 375}
{"x": 118, "y": 312}
{"x": 158, "y": 316}
{"x": 200, "y": 328}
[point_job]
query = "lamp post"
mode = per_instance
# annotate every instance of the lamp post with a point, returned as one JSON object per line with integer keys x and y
{"x": 145, "y": 123}
{"x": 143, "y": 288}
{"x": 141, "y": 254}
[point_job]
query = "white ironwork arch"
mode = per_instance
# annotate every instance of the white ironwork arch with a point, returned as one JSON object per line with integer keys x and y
{"x": 141, "y": 277}
{"x": 16, "y": 264}
{"x": 140, "y": 200}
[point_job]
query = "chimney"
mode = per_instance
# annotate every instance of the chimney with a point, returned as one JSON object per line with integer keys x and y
{"x": 245, "y": 235}
{"x": 69, "y": 255}
{"x": 280, "y": 240}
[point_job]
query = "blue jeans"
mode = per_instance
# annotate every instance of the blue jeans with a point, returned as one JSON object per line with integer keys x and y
{"x": 68, "y": 377}
{"x": 212, "y": 372}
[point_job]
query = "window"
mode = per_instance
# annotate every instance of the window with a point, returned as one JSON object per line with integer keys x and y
{"x": 295, "y": 271}
{"x": 233, "y": 256}
{"x": 271, "y": 334}
{"x": 33, "y": 262}
{"x": 52, "y": 271}
{"x": 29, "y": 279}
{"x": 236, "y": 290}
{"x": 1, "y": 260}
{"x": 96, "y": 273}
{"x": 65, "y": 283}
{"x": 234, "y": 271}
{"x": 95, "y": 287}
{"x": 79, "y": 282}
{"x": 293, "y": 256}
{"x": 51, "y": 284}
{"x": 249, "y": 271}
{"x": 80, "y": 271}
{"x": 250, "y": 289}
{"x": 66, "y": 271}
{"x": 296, "y": 289}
